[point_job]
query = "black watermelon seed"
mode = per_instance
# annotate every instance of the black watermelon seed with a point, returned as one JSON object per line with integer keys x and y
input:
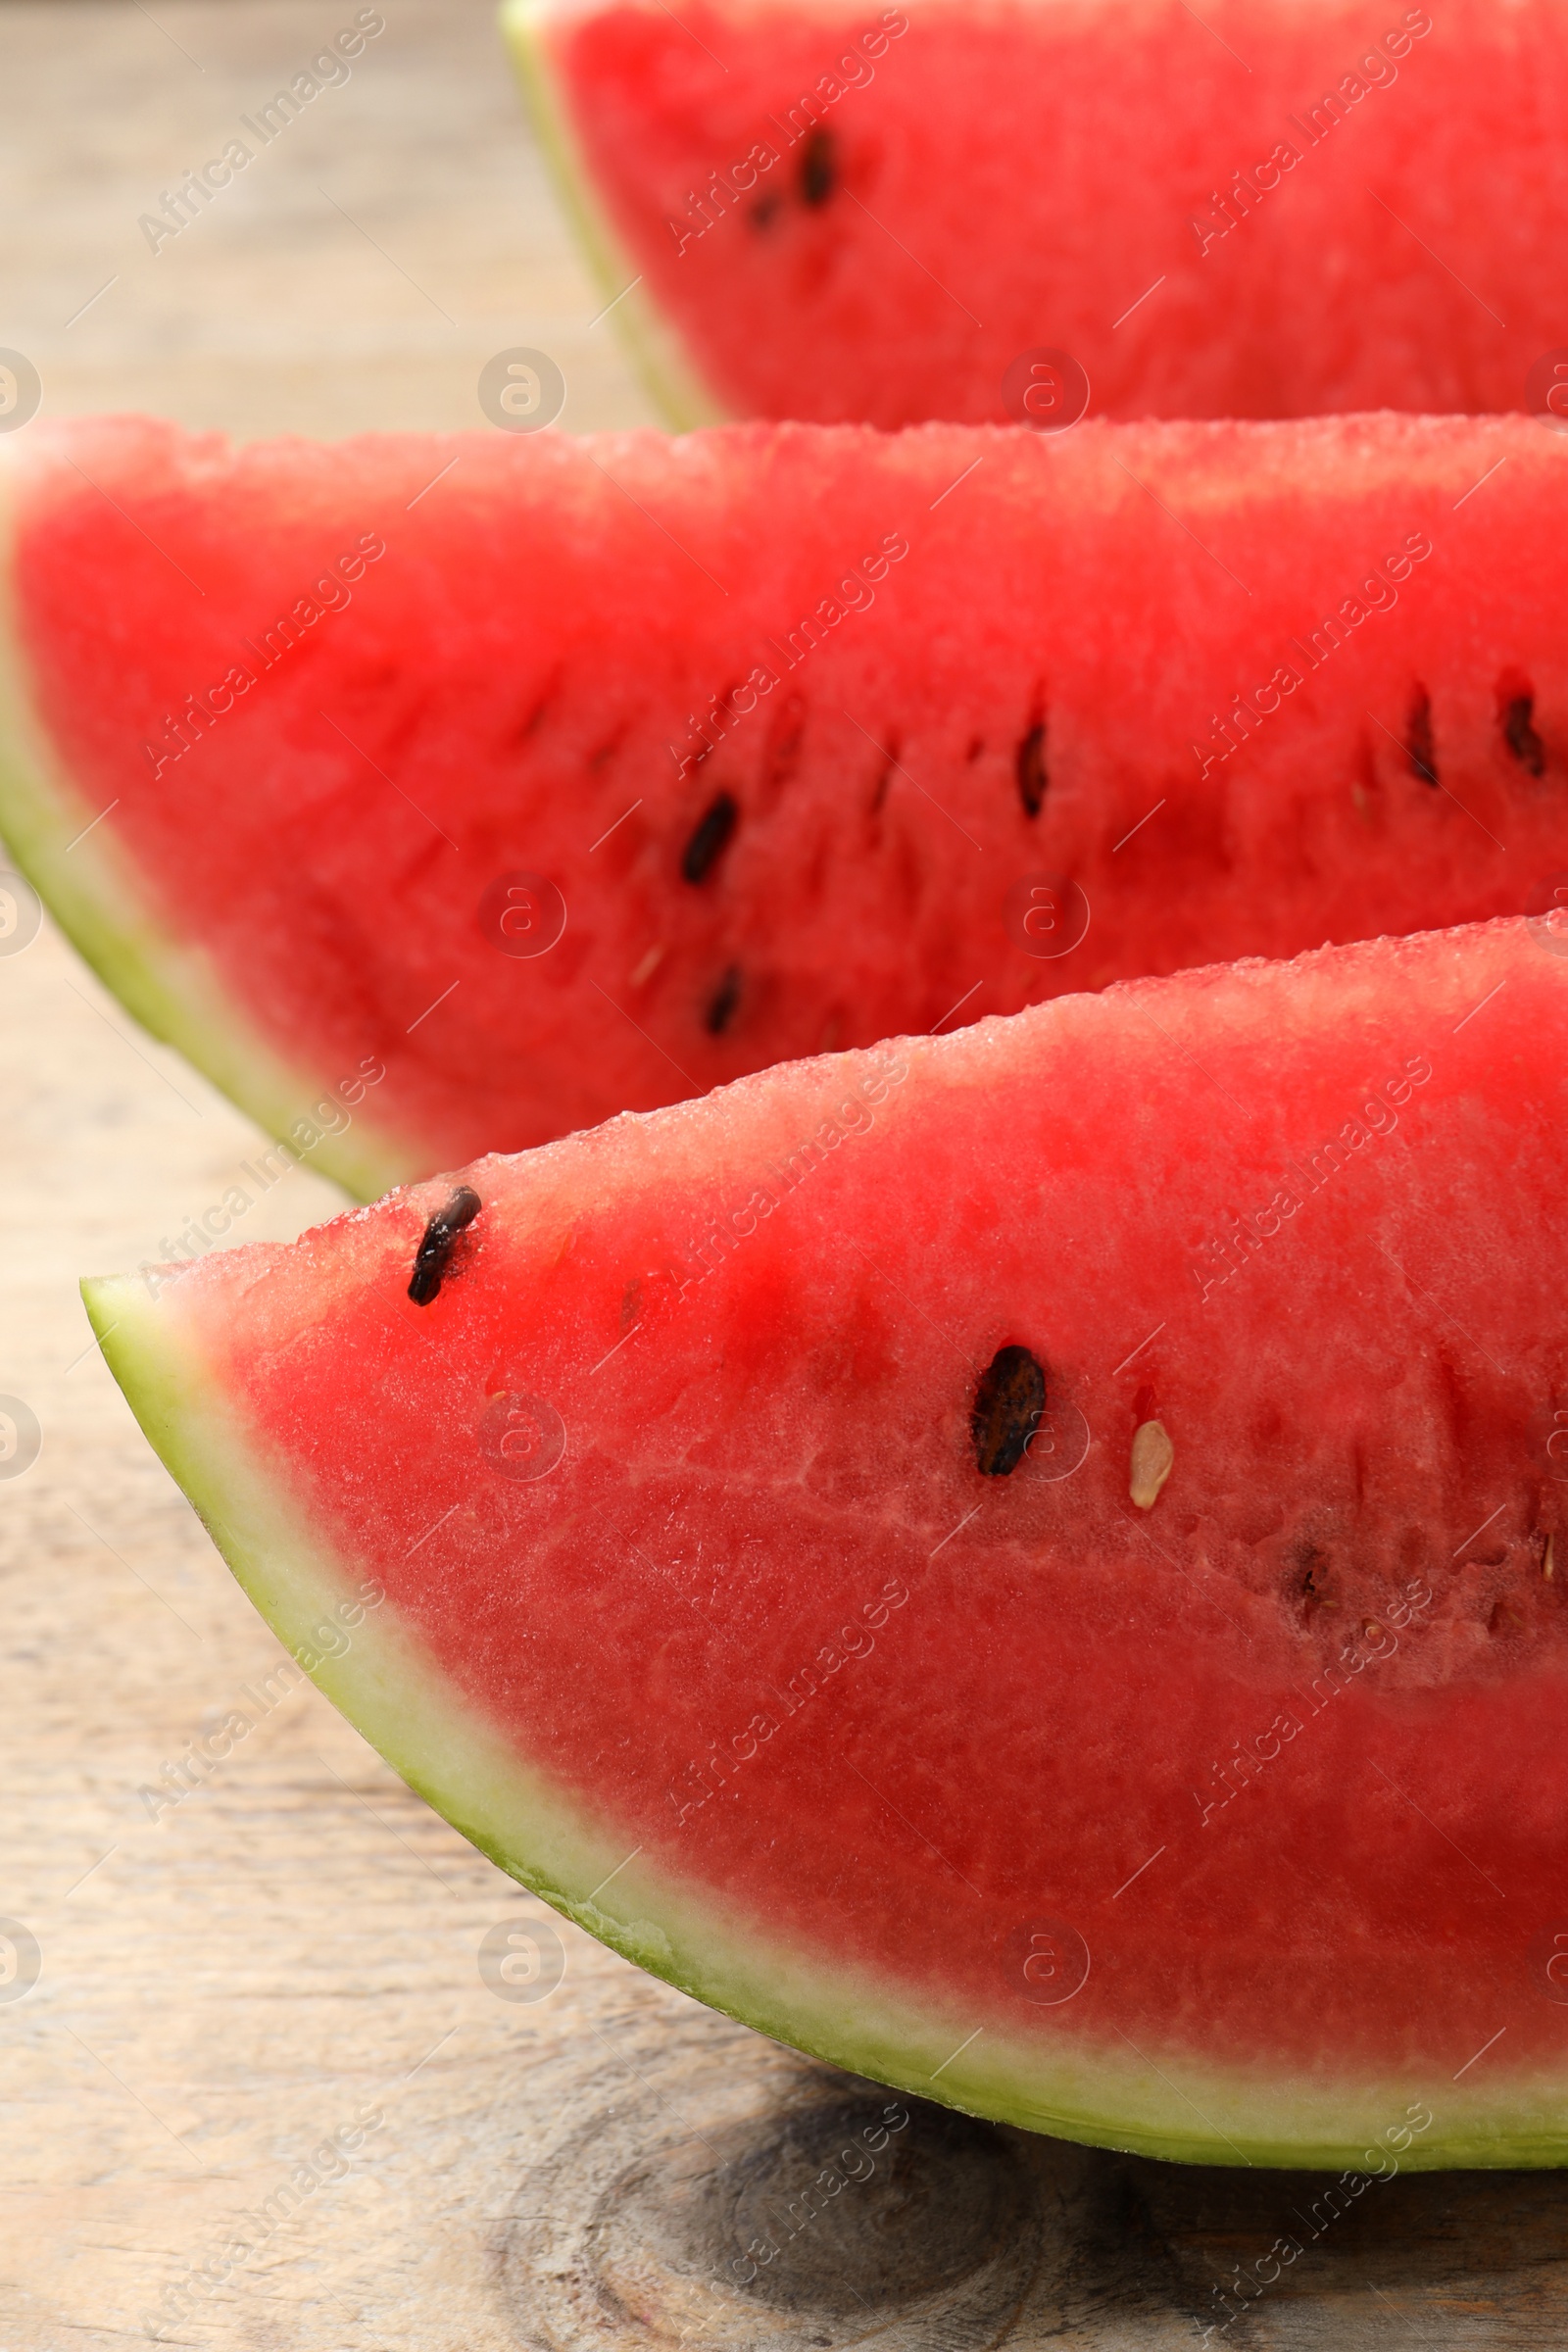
{"x": 709, "y": 837}
{"x": 1313, "y": 1566}
{"x": 1418, "y": 744}
{"x": 1007, "y": 1404}
{"x": 763, "y": 210}
{"x": 1030, "y": 763}
{"x": 430, "y": 1259}
{"x": 819, "y": 167}
{"x": 1519, "y": 734}
{"x": 722, "y": 1003}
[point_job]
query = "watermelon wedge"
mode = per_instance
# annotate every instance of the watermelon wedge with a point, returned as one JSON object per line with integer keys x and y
{"x": 445, "y": 794}
{"x": 888, "y": 213}
{"x": 1024, "y": 1563}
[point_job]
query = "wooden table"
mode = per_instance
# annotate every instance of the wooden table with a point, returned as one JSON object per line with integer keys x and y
{"x": 234, "y": 1984}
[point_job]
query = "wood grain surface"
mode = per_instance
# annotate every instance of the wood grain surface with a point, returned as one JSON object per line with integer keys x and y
{"x": 298, "y": 2069}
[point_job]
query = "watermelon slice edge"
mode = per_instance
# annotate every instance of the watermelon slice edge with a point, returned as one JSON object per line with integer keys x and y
{"x": 278, "y": 820}
{"x": 656, "y": 351}
{"x": 168, "y": 983}
{"x": 238, "y": 1373}
{"x": 532, "y": 1833}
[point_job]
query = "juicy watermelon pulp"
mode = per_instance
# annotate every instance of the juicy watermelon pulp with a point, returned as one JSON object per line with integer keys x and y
{"x": 774, "y": 739}
{"x": 1249, "y": 211}
{"x": 1186, "y": 1775}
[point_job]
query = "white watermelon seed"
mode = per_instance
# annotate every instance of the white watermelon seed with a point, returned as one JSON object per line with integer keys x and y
{"x": 1153, "y": 1458}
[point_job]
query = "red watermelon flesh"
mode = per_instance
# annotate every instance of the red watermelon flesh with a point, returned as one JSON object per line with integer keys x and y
{"x": 1190, "y": 1777}
{"x": 988, "y": 716}
{"x": 1245, "y": 210}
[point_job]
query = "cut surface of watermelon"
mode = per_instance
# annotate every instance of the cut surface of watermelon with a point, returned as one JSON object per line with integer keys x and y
{"x": 1028, "y": 1563}
{"x": 875, "y": 214}
{"x": 771, "y": 740}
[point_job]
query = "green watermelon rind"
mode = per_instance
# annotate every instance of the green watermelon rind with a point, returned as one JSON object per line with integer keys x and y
{"x": 91, "y": 889}
{"x": 653, "y": 346}
{"x": 435, "y": 1737}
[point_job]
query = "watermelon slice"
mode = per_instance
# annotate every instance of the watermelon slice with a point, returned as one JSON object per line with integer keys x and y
{"x": 1024, "y": 1563}
{"x": 887, "y": 213}
{"x": 771, "y": 740}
